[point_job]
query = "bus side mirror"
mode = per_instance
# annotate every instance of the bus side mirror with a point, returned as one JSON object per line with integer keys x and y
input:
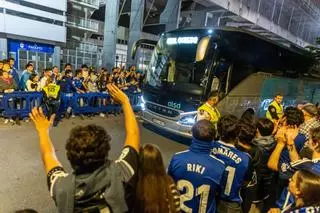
{"x": 202, "y": 48}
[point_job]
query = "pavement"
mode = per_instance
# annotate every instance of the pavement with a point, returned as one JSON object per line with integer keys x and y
{"x": 22, "y": 177}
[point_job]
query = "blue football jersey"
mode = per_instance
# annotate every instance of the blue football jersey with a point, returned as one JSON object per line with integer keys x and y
{"x": 78, "y": 83}
{"x": 198, "y": 177}
{"x": 238, "y": 169}
{"x": 284, "y": 161}
{"x": 286, "y": 199}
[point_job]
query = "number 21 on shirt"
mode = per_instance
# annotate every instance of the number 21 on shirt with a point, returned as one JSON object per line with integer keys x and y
{"x": 190, "y": 192}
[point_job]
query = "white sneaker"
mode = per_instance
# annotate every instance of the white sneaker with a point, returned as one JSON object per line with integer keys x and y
{"x": 6, "y": 121}
{"x": 73, "y": 116}
{"x": 27, "y": 120}
{"x": 102, "y": 115}
{"x": 11, "y": 121}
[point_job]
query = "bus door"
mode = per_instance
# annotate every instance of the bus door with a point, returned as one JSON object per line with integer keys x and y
{"x": 138, "y": 44}
{"x": 222, "y": 72}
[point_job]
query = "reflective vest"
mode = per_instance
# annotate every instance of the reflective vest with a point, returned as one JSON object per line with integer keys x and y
{"x": 212, "y": 111}
{"x": 52, "y": 90}
{"x": 171, "y": 70}
{"x": 279, "y": 110}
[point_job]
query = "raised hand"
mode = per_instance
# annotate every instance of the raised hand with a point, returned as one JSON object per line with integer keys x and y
{"x": 40, "y": 120}
{"x": 291, "y": 134}
{"x": 117, "y": 94}
{"x": 280, "y": 136}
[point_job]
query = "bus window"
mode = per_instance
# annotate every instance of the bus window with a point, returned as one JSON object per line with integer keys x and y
{"x": 239, "y": 74}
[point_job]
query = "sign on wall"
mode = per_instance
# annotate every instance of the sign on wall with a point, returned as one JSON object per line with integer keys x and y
{"x": 15, "y": 45}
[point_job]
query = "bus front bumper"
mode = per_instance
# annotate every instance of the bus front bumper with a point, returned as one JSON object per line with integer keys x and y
{"x": 166, "y": 124}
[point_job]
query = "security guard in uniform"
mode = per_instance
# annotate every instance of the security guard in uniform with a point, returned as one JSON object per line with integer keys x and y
{"x": 275, "y": 109}
{"x": 51, "y": 99}
{"x": 208, "y": 110}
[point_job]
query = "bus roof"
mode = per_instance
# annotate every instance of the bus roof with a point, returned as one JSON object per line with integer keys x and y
{"x": 294, "y": 48}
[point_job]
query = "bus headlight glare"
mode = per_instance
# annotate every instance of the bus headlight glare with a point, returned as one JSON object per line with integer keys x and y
{"x": 188, "y": 119}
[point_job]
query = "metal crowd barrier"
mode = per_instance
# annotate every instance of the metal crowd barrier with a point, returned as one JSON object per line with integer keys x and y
{"x": 20, "y": 104}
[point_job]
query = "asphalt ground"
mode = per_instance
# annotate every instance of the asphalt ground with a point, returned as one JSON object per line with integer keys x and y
{"x": 22, "y": 177}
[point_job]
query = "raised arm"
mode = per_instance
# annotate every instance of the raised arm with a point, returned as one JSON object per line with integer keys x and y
{"x": 275, "y": 156}
{"x": 291, "y": 135}
{"x": 42, "y": 125}
{"x": 131, "y": 124}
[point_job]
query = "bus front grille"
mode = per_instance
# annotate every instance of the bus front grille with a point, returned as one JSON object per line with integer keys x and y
{"x": 162, "y": 110}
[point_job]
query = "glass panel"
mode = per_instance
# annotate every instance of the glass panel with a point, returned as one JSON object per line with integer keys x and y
{"x": 72, "y": 52}
{"x": 65, "y": 59}
{"x": 79, "y": 53}
{"x": 41, "y": 65}
{"x": 41, "y": 56}
{"x": 22, "y": 64}
{"x": 79, "y": 61}
{"x": 49, "y": 64}
{"x": 88, "y": 55}
{"x": 32, "y": 56}
{"x": 22, "y": 54}
{"x": 87, "y": 61}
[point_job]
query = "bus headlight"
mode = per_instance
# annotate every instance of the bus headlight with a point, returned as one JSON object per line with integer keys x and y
{"x": 188, "y": 119}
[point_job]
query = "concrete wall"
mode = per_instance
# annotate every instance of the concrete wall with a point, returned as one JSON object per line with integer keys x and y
{"x": 57, "y": 4}
{"x": 24, "y": 27}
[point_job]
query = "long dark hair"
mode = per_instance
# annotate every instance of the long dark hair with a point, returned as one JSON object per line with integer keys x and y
{"x": 309, "y": 186}
{"x": 153, "y": 191}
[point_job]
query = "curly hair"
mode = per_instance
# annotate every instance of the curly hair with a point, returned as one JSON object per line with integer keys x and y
{"x": 87, "y": 148}
{"x": 294, "y": 116}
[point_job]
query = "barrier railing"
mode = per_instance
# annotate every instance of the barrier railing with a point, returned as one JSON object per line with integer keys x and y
{"x": 20, "y": 104}
{"x": 93, "y": 103}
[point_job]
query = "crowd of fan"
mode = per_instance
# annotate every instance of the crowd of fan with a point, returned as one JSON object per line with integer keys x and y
{"x": 83, "y": 80}
{"x": 245, "y": 164}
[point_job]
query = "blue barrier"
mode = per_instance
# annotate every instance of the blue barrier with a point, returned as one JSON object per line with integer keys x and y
{"x": 93, "y": 103}
{"x": 66, "y": 101}
{"x": 20, "y": 104}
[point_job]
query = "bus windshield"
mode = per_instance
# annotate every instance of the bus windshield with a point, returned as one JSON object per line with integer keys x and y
{"x": 173, "y": 62}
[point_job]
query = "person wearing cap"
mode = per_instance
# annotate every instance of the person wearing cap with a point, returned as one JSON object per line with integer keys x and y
{"x": 275, "y": 109}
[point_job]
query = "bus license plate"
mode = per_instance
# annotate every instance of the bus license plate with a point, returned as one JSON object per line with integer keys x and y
{"x": 156, "y": 121}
